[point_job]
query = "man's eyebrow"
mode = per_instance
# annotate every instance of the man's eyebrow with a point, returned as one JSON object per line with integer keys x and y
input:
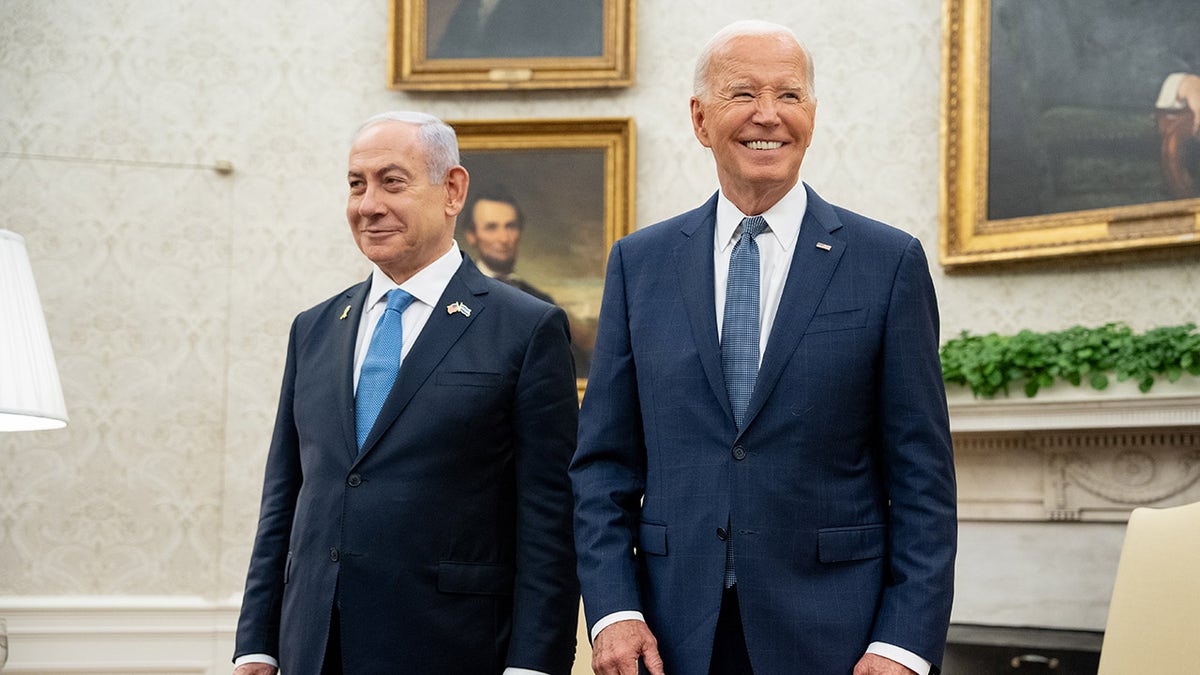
{"x": 381, "y": 171}
{"x": 747, "y": 84}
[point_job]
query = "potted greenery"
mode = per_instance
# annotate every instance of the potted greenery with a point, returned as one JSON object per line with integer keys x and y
{"x": 989, "y": 364}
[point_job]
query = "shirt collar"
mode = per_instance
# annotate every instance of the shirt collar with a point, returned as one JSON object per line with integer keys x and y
{"x": 426, "y": 286}
{"x": 783, "y": 218}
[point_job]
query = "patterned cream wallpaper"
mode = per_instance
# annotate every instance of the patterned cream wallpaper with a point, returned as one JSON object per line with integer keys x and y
{"x": 168, "y": 290}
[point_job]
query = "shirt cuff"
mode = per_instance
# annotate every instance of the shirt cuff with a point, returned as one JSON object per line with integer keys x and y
{"x": 1168, "y": 96}
{"x": 522, "y": 671}
{"x": 902, "y": 656}
{"x": 255, "y": 658}
{"x": 609, "y": 620}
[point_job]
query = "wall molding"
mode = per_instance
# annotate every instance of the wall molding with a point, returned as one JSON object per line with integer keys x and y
{"x": 111, "y": 635}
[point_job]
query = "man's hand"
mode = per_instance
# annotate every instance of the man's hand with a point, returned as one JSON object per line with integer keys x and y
{"x": 1189, "y": 95}
{"x": 254, "y": 669}
{"x": 617, "y": 648}
{"x": 874, "y": 664}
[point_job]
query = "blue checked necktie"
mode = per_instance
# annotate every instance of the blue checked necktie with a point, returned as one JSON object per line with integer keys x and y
{"x": 739, "y": 328}
{"x": 739, "y": 339}
{"x": 381, "y": 364}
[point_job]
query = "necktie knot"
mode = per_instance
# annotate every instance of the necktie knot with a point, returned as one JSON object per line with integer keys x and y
{"x": 398, "y": 300}
{"x": 753, "y": 226}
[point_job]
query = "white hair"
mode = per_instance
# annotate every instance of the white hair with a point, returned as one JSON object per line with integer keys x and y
{"x": 437, "y": 139}
{"x": 737, "y": 29}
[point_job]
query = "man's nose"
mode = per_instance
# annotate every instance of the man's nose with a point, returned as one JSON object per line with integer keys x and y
{"x": 369, "y": 205}
{"x": 766, "y": 110}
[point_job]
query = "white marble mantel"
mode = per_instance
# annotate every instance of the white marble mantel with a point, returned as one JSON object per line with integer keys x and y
{"x": 1064, "y": 406}
{"x": 1075, "y": 453}
{"x": 1046, "y": 486}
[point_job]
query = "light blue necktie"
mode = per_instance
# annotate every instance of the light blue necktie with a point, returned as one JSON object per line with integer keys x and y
{"x": 739, "y": 339}
{"x": 381, "y": 364}
{"x": 740, "y": 326}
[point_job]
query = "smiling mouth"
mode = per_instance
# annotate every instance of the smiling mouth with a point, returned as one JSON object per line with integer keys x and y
{"x": 763, "y": 145}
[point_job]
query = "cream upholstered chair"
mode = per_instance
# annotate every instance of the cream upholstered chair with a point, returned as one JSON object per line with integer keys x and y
{"x": 1154, "y": 617}
{"x": 583, "y": 648}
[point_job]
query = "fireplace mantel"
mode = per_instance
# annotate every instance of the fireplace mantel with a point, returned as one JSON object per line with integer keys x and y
{"x": 1075, "y": 453}
{"x": 1063, "y": 406}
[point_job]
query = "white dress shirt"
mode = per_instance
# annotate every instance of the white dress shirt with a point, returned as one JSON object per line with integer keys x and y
{"x": 776, "y": 245}
{"x": 426, "y": 287}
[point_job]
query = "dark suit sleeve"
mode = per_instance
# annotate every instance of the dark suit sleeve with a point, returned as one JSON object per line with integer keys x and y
{"x": 919, "y": 468}
{"x": 258, "y": 624}
{"x": 609, "y": 470}
{"x": 546, "y": 592}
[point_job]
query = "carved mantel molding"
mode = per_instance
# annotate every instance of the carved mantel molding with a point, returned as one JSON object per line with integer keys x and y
{"x": 1077, "y": 454}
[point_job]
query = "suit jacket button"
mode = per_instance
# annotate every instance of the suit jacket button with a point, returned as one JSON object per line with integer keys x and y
{"x": 739, "y": 453}
{"x": 354, "y": 480}
{"x": 333, "y": 554}
{"x": 722, "y": 534}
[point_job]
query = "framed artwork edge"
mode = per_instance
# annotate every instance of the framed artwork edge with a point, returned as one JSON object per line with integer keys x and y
{"x": 615, "y": 135}
{"x": 409, "y": 68}
{"x": 967, "y": 238}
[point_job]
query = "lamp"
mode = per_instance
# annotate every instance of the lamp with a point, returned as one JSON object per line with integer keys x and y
{"x": 30, "y": 394}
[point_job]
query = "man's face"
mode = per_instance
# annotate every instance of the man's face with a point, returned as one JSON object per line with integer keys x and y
{"x": 400, "y": 219}
{"x": 495, "y": 233}
{"x": 757, "y": 117}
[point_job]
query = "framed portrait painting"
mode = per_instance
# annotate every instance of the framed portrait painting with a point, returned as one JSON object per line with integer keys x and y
{"x": 511, "y": 44}
{"x": 1067, "y": 128}
{"x": 546, "y": 201}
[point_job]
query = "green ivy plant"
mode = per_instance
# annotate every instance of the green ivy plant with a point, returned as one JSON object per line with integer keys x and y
{"x": 988, "y": 364}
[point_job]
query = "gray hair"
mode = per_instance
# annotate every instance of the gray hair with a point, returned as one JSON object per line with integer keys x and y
{"x": 437, "y": 139}
{"x": 743, "y": 28}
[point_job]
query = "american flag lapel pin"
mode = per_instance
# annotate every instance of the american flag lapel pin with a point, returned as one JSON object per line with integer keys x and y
{"x": 823, "y": 246}
{"x": 458, "y": 307}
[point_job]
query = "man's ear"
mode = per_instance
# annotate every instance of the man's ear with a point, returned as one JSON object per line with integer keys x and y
{"x": 698, "y": 123}
{"x": 456, "y": 183}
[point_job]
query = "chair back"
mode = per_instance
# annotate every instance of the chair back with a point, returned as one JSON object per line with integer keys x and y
{"x": 1154, "y": 616}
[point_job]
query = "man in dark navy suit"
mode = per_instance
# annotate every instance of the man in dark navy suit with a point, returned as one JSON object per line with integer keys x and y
{"x": 764, "y": 480}
{"x": 429, "y": 532}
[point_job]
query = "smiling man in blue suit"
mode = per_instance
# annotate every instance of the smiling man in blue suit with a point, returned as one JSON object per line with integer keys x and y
{"x": 416, "y": 510}
{"x": 764, "y": 481}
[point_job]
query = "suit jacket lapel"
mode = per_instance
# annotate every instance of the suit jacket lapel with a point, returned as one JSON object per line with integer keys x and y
{"x": 342, "y": 376}
{"x": 810, "y": 273}
{"x": 443, "y": 329}
{"x": 694, "y": 262}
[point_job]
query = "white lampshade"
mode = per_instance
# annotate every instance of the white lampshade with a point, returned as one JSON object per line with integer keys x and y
{"x": 30, "y": 393}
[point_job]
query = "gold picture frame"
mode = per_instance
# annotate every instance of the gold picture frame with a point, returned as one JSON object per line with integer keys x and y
{"x": 1012, "y": 186}
{"x": 443, "y": 45}
{"x": 571, "y": 182}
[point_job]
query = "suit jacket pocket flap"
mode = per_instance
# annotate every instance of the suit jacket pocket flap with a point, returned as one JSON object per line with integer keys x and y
{"x": 469, "y": 379}
{"x": 840, "y": 320}
{"x": 842, "y": 544}
{"x": 476, "y": 578}
{"x": 652, "y": 538}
